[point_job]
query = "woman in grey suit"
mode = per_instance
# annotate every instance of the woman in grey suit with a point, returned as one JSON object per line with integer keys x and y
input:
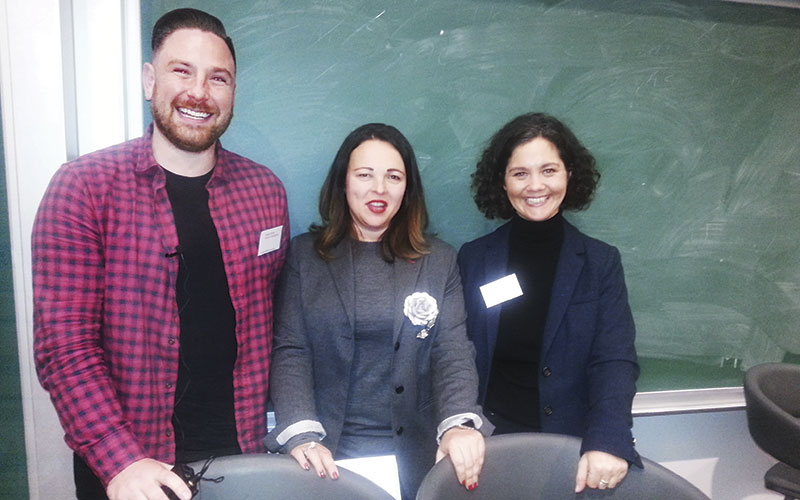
{"x": 555, "y": 337}
{"x": 370, "y": 352}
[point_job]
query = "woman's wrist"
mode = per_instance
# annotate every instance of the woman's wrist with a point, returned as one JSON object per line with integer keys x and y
{"x": 469, "y": 426}
{"x": 303, "y": 439}
{"x": 471, "y": 420}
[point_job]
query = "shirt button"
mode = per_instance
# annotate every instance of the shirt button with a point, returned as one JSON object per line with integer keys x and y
{"x": 399, "y": 430}
{"x": 396, "y": 346}
{"x": 546, "y": 371}
{"x": 548, "y": 411}
{"x": 169, "y": 385}
{"x": 399, "y": 389}
{"x": 169, "y": 433}
{"x": 171, "y": 340}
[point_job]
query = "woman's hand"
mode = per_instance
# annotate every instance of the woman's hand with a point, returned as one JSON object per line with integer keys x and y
{"x": 315, "y": 455}
{"x": 598, "y": 469}
{"x": 466, "y": 449}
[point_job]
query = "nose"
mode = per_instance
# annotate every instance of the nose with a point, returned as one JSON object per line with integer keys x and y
{"x": 535, "y": 182}
{"x": 198, "y": 89}
{"x": 379, "y": 186}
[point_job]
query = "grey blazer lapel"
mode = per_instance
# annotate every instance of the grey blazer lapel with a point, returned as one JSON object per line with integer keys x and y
{"x": 405, "y": 280}
{"x": 568, "y": 270}
{"x": 341, "y": 268}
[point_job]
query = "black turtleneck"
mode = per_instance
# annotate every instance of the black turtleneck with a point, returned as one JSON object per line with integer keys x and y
{"x": 513, "y": 390}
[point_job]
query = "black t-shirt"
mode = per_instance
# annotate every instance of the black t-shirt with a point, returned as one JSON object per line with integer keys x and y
{"x": 203, "y": 417}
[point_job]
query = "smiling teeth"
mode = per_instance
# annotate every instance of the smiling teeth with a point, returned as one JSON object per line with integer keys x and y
{"x": 194, "y": 114}
{"x": 535, "y": 201}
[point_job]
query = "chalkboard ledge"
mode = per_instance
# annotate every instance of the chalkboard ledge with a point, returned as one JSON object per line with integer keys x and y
{"x": 687, "y": 401}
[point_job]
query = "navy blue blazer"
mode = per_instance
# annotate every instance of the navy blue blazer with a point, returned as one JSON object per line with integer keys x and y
{"x": 588, "y": 366}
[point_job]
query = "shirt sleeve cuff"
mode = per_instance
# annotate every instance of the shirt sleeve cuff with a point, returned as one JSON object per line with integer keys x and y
{"x": 299, "y": 428}
{"x": 455, "y": 421}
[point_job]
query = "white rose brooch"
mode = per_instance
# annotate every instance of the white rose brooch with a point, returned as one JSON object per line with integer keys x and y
{"x": 422, "y": 310}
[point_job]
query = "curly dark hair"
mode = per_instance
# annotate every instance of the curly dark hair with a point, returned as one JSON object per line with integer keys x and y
{"x": 405, "y": 236}
{"x": 489, "y": 176}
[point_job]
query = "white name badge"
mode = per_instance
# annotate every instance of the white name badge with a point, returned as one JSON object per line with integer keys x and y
{"x": 270, "y": 240}
{"x": 498, "y": 291}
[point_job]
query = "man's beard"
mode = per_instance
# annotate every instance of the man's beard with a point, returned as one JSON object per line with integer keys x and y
{"x": 185, "y": 137}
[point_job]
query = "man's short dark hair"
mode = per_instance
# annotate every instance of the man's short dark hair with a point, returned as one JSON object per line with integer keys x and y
{"x": 188, "y": 19}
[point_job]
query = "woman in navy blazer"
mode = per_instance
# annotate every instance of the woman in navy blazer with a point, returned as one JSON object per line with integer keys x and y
{"x": 555, "y": 338}
{"x": 371, "y": 355}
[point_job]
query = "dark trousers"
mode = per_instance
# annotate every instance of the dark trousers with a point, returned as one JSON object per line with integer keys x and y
{"x": 87, "y": 485}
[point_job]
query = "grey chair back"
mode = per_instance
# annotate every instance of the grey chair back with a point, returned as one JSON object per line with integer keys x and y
{"x": 543, "y": 466}
{"x": 772, "y": 402}
{"x": 268, "y": 477}
{"x": 772, "y": 399}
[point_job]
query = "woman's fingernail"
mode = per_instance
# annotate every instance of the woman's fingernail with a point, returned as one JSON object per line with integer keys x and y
{"x": 306, "y": 467}
{"x": 335, "y": 475}
{"x": 464, "y": 482}
{"x": 322, "y": 474}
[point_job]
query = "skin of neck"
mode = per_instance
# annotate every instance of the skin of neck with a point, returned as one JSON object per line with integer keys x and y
{"x": 178, "y": 161}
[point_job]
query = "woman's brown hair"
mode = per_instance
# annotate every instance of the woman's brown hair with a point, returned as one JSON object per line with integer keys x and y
{"x": 405, "y": 236}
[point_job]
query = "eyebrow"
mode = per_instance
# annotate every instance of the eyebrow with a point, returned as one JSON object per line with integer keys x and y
{"x": 368, "y": 167}
{"x": 214, "y": 69}
{"x": 526, "y": 166}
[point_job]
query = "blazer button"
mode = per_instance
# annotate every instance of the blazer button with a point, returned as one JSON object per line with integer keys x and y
{"x": 399, "y": 430}
{"x": 546, "y": 371}
{"x": 396, "y": 346}
{"x": 399, "y": 389}
{"x": 548, "y": 411}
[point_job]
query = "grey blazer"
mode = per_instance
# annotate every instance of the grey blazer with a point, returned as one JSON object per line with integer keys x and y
{"x": 434, "y": 378}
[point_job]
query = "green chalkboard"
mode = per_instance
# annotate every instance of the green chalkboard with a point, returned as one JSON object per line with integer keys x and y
{"x": 691, "y": 107}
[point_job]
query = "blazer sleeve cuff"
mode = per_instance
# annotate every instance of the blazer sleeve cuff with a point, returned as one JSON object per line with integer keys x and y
{"x": 300, "y": 427}
{"x": 455, "y": 421}
{"x": 623, "y": 447}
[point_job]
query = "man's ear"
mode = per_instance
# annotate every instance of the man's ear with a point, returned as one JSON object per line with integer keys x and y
{"x": 148, "y": 80}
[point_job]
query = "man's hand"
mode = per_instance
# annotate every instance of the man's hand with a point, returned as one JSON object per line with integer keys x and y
{"x": 142, "y": 480}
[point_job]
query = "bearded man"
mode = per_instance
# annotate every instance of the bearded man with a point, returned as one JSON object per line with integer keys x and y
{"x": 153, "y": 268}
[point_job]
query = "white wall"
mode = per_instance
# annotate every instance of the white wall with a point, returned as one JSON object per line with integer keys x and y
{"x": 713, "y": 450}
{"x": 48, "y": 79}
{"x": 69, "y": 82}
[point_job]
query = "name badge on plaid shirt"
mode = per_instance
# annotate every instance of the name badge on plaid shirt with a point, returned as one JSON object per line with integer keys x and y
{"x": 270, "y": 240}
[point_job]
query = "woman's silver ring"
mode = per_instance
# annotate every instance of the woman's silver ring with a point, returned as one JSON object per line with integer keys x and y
{"x": 312, "y": 445}
{"x": 603, "y": 482}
